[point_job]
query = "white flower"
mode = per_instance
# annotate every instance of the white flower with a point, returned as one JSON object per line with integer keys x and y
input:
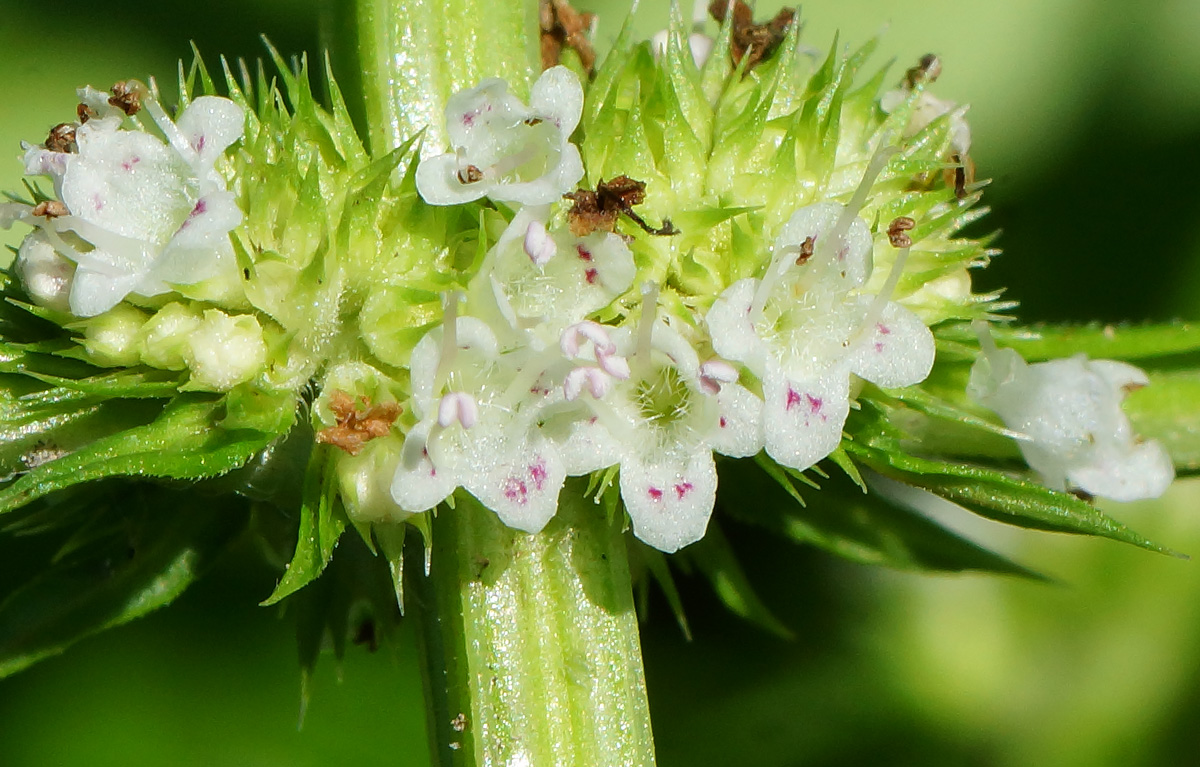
{"x": 45, "y": 274}
{"x": 807, "y": 326}
{"x": 661, "y": 421}
{"x": 927, "y": 109}
{"x": 554, "y": 277}
{"x": 505, "y": 150}
{"x": 1069, "y": 413}
{"x": 141, "y": 215}
{"x": 478, "y": 429}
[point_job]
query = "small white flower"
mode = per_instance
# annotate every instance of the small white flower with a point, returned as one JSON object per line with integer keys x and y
{"x": 45, "y": 274}
{"x": 142, "y": 216}
{"x": 478, "y": 429}
{"x": 1069, "y": 413}
{"x": 808, "y": 325}
{"x": 505, "y": 150}
{"x": 553, "y": 277}
{"x": 662, "y": 426}
{"x": 927, "y": 109}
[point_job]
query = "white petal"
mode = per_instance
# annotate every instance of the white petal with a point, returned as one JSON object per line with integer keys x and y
{"x": 131, "y": 184}
{"x": 1143, "y": 472}
{"x": 438, "y": 184}
{"x": 803, "y": 420}
{"x": 40, "y": 161}
{"x": 897, "y": 351}
{"x": 518, "y": 479}
{"x": 12, "y": 212}
{"x": 545, "y": 189}
{"x": 418, "y": 484}
{"x": 1121, "y": 376}
{"x": 46, "y": 275}
{"x": 583, "y": 444}
{"x": 739, "y": 432}
{"x": 94, "y": 292}
{"x": 732, "y": 331}
{"x": 210, "y": 124}
{"x": 558, "y": 96}
{"x": 670, "y": 499}
{"x": 474, "y": 115}
{"x": 613, "y": 261}
{"x": 849, "y": 265}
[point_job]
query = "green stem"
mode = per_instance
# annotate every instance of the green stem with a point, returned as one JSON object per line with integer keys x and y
{"x": 414, "y": 53}
{"x": 532, "y": 641}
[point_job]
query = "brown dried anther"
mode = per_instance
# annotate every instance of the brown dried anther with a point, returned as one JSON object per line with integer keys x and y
{"x": 897, "y": 232}
{"x": 84, "y": 113}
{"x": 62, "y": 138}
{"x": 127, "y": 96}
{"x": 50, "y": 209}
{"x": 470, "y": 175}
{"x": 961, "y": 175}
{"x": 564, "y": 27}
{"x": 807, "y": 248}
{"x": 354, "y": 429}
{"x": 599, "y": 210}
{"x": 928, "y": 69}
{"x": 754, "y": 41}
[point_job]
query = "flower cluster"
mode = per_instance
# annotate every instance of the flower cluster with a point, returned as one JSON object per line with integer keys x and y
{"x": 522, "y": 386}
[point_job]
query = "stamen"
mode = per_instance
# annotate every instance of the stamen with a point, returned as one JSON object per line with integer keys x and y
{"x": 898, "y": 237}
{"x": 539, "y": 245}
{"x": 458, "y": 406}
{"x": 645, "y": 339}
{"x": 450, "y": 302}
{"x": 595, "y": 379}
{"x": 569, "y": 341}
{"x": 613, "y": 364}
{"x": 714, "y": 373}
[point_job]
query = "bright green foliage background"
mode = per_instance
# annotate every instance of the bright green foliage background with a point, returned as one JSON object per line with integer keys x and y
{"x": 1087, "y": 116}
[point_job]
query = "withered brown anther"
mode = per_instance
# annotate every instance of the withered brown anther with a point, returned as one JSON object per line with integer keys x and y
{"x": 50, "y": 209}
{"x": 806, "y": 250}
{"x": 599, "y": 210}
{"x": 961, "y": 175}
{"x": 84, "y": 113}
{"x": 62, "y": 138}
{"x": 533, "y": 121}
{"x": 470, "y": 175}
{"x": 754, "y": 41}
{"x": 564, "y": 27}
{"x": 127, "y": 97}
{"x": 354, "y": 429}
{"x": 897, "y": 232}
{"x": 928, "y": 69}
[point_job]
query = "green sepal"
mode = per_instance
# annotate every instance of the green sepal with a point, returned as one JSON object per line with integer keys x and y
{"x": 715, "y": 559}
{"x": 322, "y": 522}
{"x": 660, "y": 572}
{"x": 144, "y": 561}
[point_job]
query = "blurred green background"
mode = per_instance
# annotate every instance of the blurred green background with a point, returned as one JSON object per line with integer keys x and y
{"x": 1087, "y": 116}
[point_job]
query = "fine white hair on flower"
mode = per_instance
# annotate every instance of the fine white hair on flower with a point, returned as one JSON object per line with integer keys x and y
{"x": 137, "y": 215}
{"x": 502, "y": 149}
{"x": 808, "y": 325}
{"x": 1068, "y": 411}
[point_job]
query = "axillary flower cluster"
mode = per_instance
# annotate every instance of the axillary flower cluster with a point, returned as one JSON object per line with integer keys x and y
{"x": 683, "y": 261}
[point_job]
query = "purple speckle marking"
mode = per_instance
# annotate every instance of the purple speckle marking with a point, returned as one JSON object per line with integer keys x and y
{"x": 655, "y": 494}
{"x": 432, "y": 468}
{"x": 591, "y": 275}
{"x": 537, "y": 472}
{"x": 884, "y": 330}
{"x": 682, "y": 489}
{"x": 516, "y": 490}
{"x": 814, "y": 403}
{"x": 723, "y": 422}
{"x": 97, "y": 203}
{"x": 199, "y": 143}
{"x": 127, "y": 166}
{"x": 793, "y": 398}
{"x": 583, "y": 252}
{"x": 468, "y": 119}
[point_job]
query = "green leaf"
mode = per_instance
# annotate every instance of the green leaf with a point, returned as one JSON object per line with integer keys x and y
{"x": 715, "y": 559}
{"x": 322, "y": 522}
{"x": 159, "y": 550}
{"x": 862, "y": 527}
{"x": 183, "y": 442}
{"x": 660, "y": 571}
{"x": 1114, "y": 342}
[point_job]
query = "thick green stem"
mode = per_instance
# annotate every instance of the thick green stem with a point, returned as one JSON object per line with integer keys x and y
{"x": 414, "y": 53}
{"x": 532, "y": 641}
